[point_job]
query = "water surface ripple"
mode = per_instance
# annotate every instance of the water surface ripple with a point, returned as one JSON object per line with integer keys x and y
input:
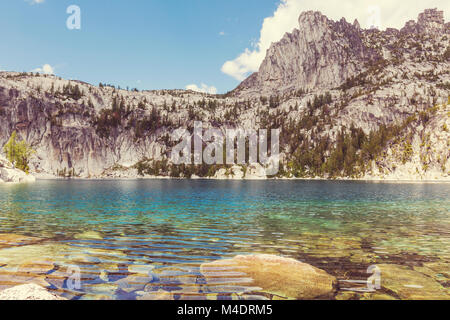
{"x": 167, "y": 229}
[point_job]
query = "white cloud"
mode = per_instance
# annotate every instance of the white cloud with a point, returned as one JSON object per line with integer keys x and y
{"x": 203, "y": 88}
{"x": 46, "y": 69}
{"x": 382, "y": 13}
{"x": 36, "y": 1}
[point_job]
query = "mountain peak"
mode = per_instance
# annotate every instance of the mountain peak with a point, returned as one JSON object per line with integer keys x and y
{"x": 320, "y": 53}
{"x": 431, "y": 17}
{"x": 429, "y": 21}
{"x": 312, "y": 17}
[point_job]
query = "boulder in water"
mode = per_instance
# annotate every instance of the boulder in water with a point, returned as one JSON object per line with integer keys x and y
{"x": 279, "y": 276}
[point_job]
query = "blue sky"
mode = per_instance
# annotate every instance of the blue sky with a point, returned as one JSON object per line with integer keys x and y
{"x": 149, "y": 44}
{"x": 167, "y": 44}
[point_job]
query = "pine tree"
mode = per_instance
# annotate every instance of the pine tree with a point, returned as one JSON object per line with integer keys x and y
{"x": 18, "y": 153}
{"x": 10, "y": 148}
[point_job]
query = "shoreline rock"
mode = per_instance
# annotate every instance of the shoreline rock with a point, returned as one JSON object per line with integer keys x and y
{"x": 9, "y": 174}
{"x": 28, "y": 292}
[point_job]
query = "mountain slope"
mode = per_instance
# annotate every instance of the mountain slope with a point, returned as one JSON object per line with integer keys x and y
{"x": 350, "y": 103}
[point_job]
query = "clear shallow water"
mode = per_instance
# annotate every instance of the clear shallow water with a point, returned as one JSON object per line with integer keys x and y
{"x": 169, "y": 228}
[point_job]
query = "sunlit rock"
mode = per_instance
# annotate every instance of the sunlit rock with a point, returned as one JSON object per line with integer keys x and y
{"x": 89, "y": 235}
{"x": 12, "y": 175}
{"x": 276, "y": 275}
{"x": 408, "y": 284}
{"x": 28, "y": 292}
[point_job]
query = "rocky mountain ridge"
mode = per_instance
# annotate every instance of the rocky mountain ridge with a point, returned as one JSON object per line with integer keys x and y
{"x": 322, "y": 54}
{"x": 351, "y": 103}
{"x": 319, "y": 54}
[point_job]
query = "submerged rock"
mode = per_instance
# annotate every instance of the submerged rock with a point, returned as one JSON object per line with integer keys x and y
{"x": 362, "y": 257}
{"x": 37, "y": 267}
{"x": 108, "y": 289}
{"x": 133, "y": 283}
{"x": 11, "y": 240}
{"x": 158, "y": 295}
{"x": 89, "y": 235}
{"x": 410, "y": 285}
{"x": 347, "y": 295}
{"x": 17, "y": 256}
{"x": 141, "y": 269}
{"x": 438, "y": 270}
{"x": 28, "y": 292}
{"x": 24, "y": 264}
{"x": 284, "y": 277}
{"x": 377, "y": 296}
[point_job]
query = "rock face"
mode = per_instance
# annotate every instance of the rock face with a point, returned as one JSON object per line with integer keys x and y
{"x": 9, "y": 174}
{"x": 370, "y": 80}
{"x": 282, "y": 277}
{"x": 319, "y": 54}
{"x": 28, "y": 292}
{"x": 417, "y": 162}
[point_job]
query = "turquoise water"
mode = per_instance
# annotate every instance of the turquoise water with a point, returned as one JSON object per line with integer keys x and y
{"x": 172, "y": 227}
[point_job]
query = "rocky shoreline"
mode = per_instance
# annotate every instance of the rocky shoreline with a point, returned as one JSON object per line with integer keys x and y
{"x": 134, "y": 178}
{"x": 9, "y": 174}
{"x": 14, "y": 176}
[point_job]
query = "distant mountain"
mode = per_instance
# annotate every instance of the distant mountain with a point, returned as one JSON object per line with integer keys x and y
{"x": 350, "y": 102}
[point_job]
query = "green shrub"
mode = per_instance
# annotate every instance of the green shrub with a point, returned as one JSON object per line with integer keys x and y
{"x": 18, "y": 153}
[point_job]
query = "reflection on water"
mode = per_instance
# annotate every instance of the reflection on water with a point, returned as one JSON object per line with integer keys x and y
{"x": 163, "y": 230}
